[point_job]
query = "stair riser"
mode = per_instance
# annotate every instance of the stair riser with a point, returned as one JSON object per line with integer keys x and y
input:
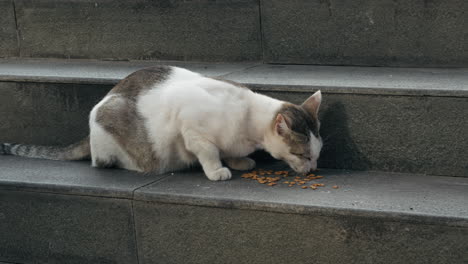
{"x": 52, "y": 228}
{"x": 416, "y": 134}
{"x": 364, "y": 32}
{"x": 175, "y": 30}
{"x": 47, "y": 113}
{"x": 8, "y": 37}
{"x": 174, "y": 233}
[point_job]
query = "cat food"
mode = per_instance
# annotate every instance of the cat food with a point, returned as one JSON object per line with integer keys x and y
{"x": 272, "y": 178}
{"x": 318, "y": 184}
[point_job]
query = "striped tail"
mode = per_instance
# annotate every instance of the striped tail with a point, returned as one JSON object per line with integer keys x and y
{"x": 76, "y": 151}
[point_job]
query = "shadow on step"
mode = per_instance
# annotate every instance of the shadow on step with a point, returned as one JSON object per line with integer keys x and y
{"x": 339, "y": 150}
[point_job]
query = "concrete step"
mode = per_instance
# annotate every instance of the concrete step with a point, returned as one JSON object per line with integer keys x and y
{"x": 389, "y": 119}
{"x": 68, "y": 212}
{"x": 365, "y": 32}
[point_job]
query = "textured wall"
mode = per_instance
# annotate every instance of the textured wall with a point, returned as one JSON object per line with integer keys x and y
{"x": 170, "y": 29}
{"x": 8, "y": 36}
{"x": 328, "y": 32}
{"x": 366, "y": 32}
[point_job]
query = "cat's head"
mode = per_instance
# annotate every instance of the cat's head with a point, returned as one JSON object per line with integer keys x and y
{"x": 295, "y": 136}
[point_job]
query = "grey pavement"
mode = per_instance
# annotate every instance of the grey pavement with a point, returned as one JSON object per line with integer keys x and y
{"x": 94, "y": 71}
{"x": 373, "y": 194}
{"x": 350, "y": 79}
{"x": 368, "y": 193}
{"x": 66, "y": 177}
{"x": 336, "y": 79}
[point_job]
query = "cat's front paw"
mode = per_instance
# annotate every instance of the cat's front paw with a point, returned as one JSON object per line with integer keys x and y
{"x": 221, "y": 174}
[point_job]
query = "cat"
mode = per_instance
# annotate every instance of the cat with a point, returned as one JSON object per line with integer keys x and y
{"x": 165, "y": 118}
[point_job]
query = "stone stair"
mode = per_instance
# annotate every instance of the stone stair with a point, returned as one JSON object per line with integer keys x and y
{"x": 387, "y": 119}
{"x": 396, "y": 135}
{"x": 68, "y": 212}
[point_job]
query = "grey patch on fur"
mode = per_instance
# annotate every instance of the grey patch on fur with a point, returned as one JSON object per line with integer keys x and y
{"x": 119, "y": 116}
{"x": 76, "y": 151}
{"x": 4, "y": 149}
{"x": 141, "y": 81}
{"x": 301, "y": 123}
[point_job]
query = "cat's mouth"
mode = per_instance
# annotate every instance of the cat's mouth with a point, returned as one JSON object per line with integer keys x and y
{"x": 301, "y": 170}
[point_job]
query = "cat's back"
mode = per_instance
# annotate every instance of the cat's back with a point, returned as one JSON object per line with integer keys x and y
{"x": 179, "y": 88}
{"x": 188, "y": 99}
{"x": 173, "y": 82}
{"x": 144, "y": 80}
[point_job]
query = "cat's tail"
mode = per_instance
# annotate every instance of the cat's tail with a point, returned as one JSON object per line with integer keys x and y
{"x": 77, "y": 151}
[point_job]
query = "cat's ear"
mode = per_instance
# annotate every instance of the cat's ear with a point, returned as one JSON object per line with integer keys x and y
{"x": 282, "y": 126}
{"x": 312, "y": 104}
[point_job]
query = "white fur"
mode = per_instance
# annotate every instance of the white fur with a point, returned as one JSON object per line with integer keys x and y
{"x": 212, "y": 117}
{"x": 315, "y": 147}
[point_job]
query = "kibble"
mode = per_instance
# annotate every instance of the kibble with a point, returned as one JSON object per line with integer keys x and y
{"x": 272, "y": 178}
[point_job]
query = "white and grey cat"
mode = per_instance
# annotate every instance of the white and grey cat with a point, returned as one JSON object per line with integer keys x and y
{"x": 164, "y": 118}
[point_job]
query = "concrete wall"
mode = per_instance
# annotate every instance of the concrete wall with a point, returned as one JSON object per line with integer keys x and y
{"x": 328, "y": 32}
{"x": 366, "y": 32}
{"x": 172, "y": 29}
{"x": 8, "y": 34}
{"x": 46, "y": 113}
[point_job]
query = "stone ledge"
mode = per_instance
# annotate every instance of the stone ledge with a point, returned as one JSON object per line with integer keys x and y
{"x": 262, "y": 77}
{"x": 67, "y": 177}
{"x": 392, "y": 196}
{"x": 83, "y": 218}
{"x": 371, "y": 194}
